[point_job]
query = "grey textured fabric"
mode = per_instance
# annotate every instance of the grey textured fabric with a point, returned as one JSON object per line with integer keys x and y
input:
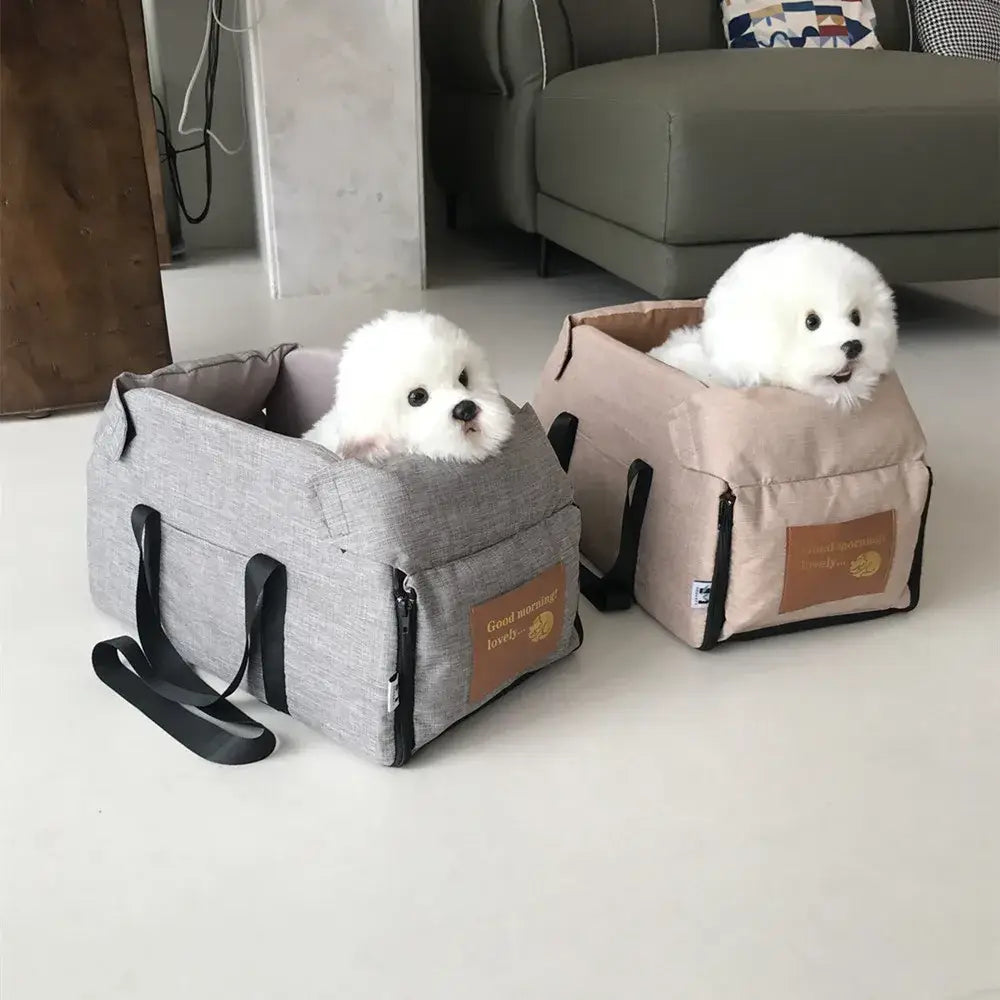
{"x": 227, "y": 489}
{"x": 669, "y": 271}
{"x": 685, "y": 119}
{"x": 237, "y": 385}
{"x": 303, "y": 390}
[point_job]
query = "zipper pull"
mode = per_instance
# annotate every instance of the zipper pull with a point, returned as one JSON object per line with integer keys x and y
{"x": 728, "y": 500}
{"x": 403, "y": 608}
{"x": 392, "y": 694}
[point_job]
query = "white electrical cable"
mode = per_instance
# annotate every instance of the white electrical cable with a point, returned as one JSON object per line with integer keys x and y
{"x": 181, "y": 127}
{"x": 238, "y": 31}
{"x": 237, "y": 50}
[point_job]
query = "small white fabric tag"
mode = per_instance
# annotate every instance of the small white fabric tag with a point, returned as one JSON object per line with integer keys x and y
{"x": 701, "y": 593}
{"x": 392, "y": 701}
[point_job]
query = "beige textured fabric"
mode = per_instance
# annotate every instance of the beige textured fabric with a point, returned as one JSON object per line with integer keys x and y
{"x": 789, "y": 460}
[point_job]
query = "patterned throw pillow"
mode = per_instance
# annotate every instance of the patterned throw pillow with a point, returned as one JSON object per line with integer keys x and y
{"x": 969, "y": 28}
{"x": 756, "y": 24}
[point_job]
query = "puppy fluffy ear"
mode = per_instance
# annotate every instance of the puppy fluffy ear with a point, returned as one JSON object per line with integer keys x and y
{"x": 395, "y": 315}
{"x": 365, "y": 449}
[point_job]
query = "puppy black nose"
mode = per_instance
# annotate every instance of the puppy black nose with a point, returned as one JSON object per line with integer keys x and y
{"x": 852, "y": 348}
{"x": 465, "y": 411}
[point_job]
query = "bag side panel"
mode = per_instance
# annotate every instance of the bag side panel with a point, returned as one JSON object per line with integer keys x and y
{"x": 446, "y": 596}
{"x": 763, "y": 514}
{"x": 677, "y": 545}
{"x": 677, "y": 550}
{"x": 339, "y": 625}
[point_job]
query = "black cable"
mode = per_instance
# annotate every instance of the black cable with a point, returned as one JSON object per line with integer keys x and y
{"x": 171, "y": 152}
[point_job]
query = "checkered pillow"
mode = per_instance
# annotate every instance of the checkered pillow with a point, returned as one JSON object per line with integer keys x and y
{"x": 757, "y": 24}
{"x": 969, "y": 28}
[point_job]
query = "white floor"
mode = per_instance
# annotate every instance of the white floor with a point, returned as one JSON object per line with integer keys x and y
{"x": 814, "y": 817}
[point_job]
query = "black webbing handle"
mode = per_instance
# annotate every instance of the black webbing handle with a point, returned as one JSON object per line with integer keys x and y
{"x": 164, "y": 686}
{"x": 562, "y": 437}
{"x": 615, "y": 591}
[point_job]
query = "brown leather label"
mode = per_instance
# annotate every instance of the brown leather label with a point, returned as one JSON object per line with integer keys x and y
{"x": 514, "y": 632}
{"x": 828, "y": 562}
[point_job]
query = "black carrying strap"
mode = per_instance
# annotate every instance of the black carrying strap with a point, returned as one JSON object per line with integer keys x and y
{"x": 166, "y": 689}
{"x": 562, "y": 437}
{"x": 615, "y": 590}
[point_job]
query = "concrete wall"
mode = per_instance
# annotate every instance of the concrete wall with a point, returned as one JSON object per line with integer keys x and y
{"x": 338, "y": 155}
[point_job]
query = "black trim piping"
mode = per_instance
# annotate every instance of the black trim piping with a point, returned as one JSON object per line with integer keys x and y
{"x": 810, "y": 623}
{"x": 405, "y": 602}
{"x": 715, "y": 618}
{"x": 567, "y": 357}
{"x": 917, "y": 566}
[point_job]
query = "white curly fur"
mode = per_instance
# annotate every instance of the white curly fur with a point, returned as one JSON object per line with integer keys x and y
{"x": 754, "y": 329}
{"x": 382, "y": 363}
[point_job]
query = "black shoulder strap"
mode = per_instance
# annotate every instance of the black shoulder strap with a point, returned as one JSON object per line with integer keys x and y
{"x": 166, "y": 689}
{"x": 615, "y": 590}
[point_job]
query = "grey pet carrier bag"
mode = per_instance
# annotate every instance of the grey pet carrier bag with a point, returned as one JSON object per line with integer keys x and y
{"x": 377, "y": 604}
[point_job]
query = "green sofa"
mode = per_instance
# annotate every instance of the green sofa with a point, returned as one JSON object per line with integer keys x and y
{"x": 626, "y": 131}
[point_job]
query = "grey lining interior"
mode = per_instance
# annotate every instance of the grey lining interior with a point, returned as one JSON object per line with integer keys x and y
{"x": 285, "y": 390}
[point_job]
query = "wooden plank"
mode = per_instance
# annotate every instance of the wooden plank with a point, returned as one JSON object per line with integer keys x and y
{"x": 79, "y": 275}
{"x": 135, "y": 36}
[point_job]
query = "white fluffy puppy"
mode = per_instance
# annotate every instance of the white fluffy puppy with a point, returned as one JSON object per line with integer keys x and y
{"x": 414, "y": 383}
{"x": 803, "y": 312}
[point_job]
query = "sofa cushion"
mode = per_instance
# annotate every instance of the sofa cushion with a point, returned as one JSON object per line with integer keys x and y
{"x": 700, "y": 147}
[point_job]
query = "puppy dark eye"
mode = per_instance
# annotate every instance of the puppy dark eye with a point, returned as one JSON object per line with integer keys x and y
{"x": 812, "y": 321}
{"x": 463, "y": 379}
{"x": 417, "y": 397}
{"x": 855, "y": 317}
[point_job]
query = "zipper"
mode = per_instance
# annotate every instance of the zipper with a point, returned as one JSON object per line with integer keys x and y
{"x": 406, "y": 658}
{"x": 715, "y": 617}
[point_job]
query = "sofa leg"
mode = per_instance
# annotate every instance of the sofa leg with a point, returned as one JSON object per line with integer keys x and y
{"x": 543, "y": 256}
{"x": 451, "y": 211}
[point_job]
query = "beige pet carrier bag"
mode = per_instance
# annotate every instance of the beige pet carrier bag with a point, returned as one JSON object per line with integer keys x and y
{"x": 730, "y": 513}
